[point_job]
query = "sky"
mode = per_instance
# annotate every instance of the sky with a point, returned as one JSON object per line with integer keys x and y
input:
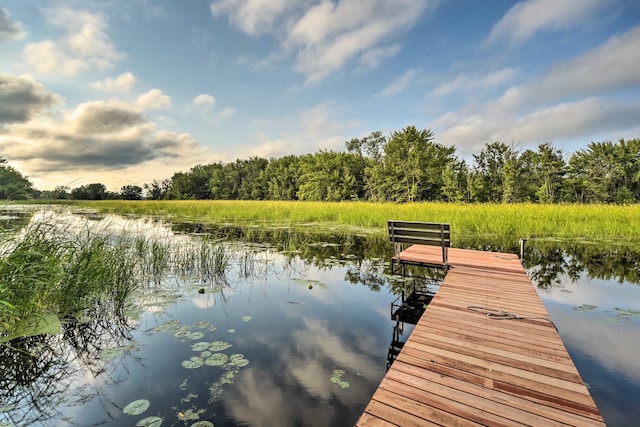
{"x": 127, "y": 91}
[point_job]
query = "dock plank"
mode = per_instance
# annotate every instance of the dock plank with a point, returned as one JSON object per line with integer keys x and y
{"x": 461, "y": 367}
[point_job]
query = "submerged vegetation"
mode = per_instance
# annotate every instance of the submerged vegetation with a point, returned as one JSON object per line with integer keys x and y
{"x": 487, "y": 222}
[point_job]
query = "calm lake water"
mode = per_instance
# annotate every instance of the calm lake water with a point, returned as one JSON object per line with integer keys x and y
{"x": 296, "y": 333}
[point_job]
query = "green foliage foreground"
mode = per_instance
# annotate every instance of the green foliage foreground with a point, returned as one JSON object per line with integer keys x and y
{"x": 61, "y": 268}
{"x": 491, "y": 223}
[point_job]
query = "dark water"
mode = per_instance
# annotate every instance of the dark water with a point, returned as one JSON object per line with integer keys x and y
{"x": 311, "y": 315}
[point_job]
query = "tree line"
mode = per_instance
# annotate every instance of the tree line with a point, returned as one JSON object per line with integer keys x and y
{"x": 406, "y": 166}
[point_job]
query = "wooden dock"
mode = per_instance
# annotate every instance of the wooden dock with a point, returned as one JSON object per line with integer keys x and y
{"x": 461, "y": 367}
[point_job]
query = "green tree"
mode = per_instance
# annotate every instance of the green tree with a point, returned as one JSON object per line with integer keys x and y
{"x": 491, "y": 171}
{"x": 331, "y": 176}
{"x": 13, "y": 185}
{"x": 413, "y": 165}
{"x": 157, "y": 190}
{"x": 550, "y": 172}
{"x": 131, "y": 192}
{"x": 281, "y": 178}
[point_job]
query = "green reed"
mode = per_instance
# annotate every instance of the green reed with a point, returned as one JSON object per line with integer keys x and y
{"x": 55, "y": 266}
{"x": 611, "y": 223}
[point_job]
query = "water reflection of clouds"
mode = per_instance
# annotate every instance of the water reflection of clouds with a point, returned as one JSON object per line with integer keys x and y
{"x": 306, "y": 362}
{"x": 614, "y": 346}
{"x": 603, "y": 294}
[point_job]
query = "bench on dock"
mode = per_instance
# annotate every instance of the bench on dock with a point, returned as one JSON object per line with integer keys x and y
{"x": 409, "y": 237}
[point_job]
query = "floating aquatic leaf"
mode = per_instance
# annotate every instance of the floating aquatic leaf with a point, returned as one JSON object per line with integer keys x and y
{"x": 202, "y": 424}
{"x": 237, "y": 356}
{"x": 182, "y": 334}
{"x": 200, "y": 346}
{"x": 338, "y": 372}
{"x": 195, "y": 335}
{"x": 190, "y": 414}
{"x": 212, "y": 328}
{"x": 206, "y": 353}
{"x": 219, "y": 346}
{"x": 343, "y": 384}
{"x": 193, "y": 363}
{"x": 335, "y": 380}
{"x": 110, "y": 353}
{"x": 216, "y": 359}
{"x": 149, "y": 422}
{"x": 246, "y": 319}
{"x": 168, "y": 325}
{"x": 241, "y": 363}
{"x": 585, "y": 307}
{"x": 136, "y": 407}
{"x": 626, "y": 313}
{"x": 231, "y": 331}
{"x": 202, "y": 324}
{"x": 611, "y": 320}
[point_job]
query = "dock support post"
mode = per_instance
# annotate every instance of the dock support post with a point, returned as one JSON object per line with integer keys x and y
{"x": 522, "y": 244}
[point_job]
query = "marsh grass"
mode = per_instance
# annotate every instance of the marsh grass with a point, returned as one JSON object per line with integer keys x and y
{"x": 64, "y": 265}
{"x": 610, "y": 223}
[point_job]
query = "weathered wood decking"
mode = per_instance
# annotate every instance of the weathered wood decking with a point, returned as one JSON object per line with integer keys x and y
{"x": 460, "y": 367}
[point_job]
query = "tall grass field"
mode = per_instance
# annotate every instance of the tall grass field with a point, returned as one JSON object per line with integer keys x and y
{"x": 611, "y": 223}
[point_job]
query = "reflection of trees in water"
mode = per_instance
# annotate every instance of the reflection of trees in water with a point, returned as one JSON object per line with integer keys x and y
{"x": 38, "y": 374}
{"x": 547, "y": 261}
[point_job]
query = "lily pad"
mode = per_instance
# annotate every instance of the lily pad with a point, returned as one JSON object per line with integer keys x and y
{"x": 219, "y": 346}
{"x": 585, "y": 307}
{"x": 216, "y": 359}
{"x": 202, "y": 424}
{"x": 246, "y": 319}
{"x": 231, "y": 331}
{"x": 110, "y": 353}
{"x": 335, "y": 380}
{"x": 136, "y": 407}
{"x": 182, "y": 333}
{"x": 195, "y": 335}
{"x": 202, "y": 324}
{"x": 343, "y": 384}
{"x": 149, "y": 422}
{"x": 241, "y": 363}
{"x": 200, "y": 346}
{"x": 168, "y": 325}
{"x": 237, "y": 356}
{"x": 206, "y": 353}
{"x": 193, "y": 363}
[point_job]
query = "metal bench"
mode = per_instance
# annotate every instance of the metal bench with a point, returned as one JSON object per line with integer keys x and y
{"x": 410, "y": 237}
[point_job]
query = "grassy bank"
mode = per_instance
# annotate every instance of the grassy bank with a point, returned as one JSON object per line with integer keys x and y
{"x": 575, "y": 222}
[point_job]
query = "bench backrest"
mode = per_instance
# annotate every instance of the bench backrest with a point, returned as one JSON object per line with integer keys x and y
{"x": 420, "y": 233}
{"x": 404, "y": 233}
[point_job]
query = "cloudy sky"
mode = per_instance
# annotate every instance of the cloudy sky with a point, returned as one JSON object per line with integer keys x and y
{"x": 124, "y": 92}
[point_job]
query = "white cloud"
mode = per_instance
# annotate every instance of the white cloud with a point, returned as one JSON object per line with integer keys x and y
{"x": 612, "y": 65}
{"x": 325, "y": 36}
{"x": 21, "y": 98}
{"x": 10, "y": 29}
{"x": 204, "y": 99}
{"x": 573, "y": 99}
{"x": 399, "y": 84}
{"x": 253, "y": 16}
{"x": 84, "y": 46}
{"x": 155, "y": 99}
{"x": 123, "y": 83}
{"x": 464, "y": 82}
{"x": 522, "y": 21}
{"x": 102, "y": 141}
